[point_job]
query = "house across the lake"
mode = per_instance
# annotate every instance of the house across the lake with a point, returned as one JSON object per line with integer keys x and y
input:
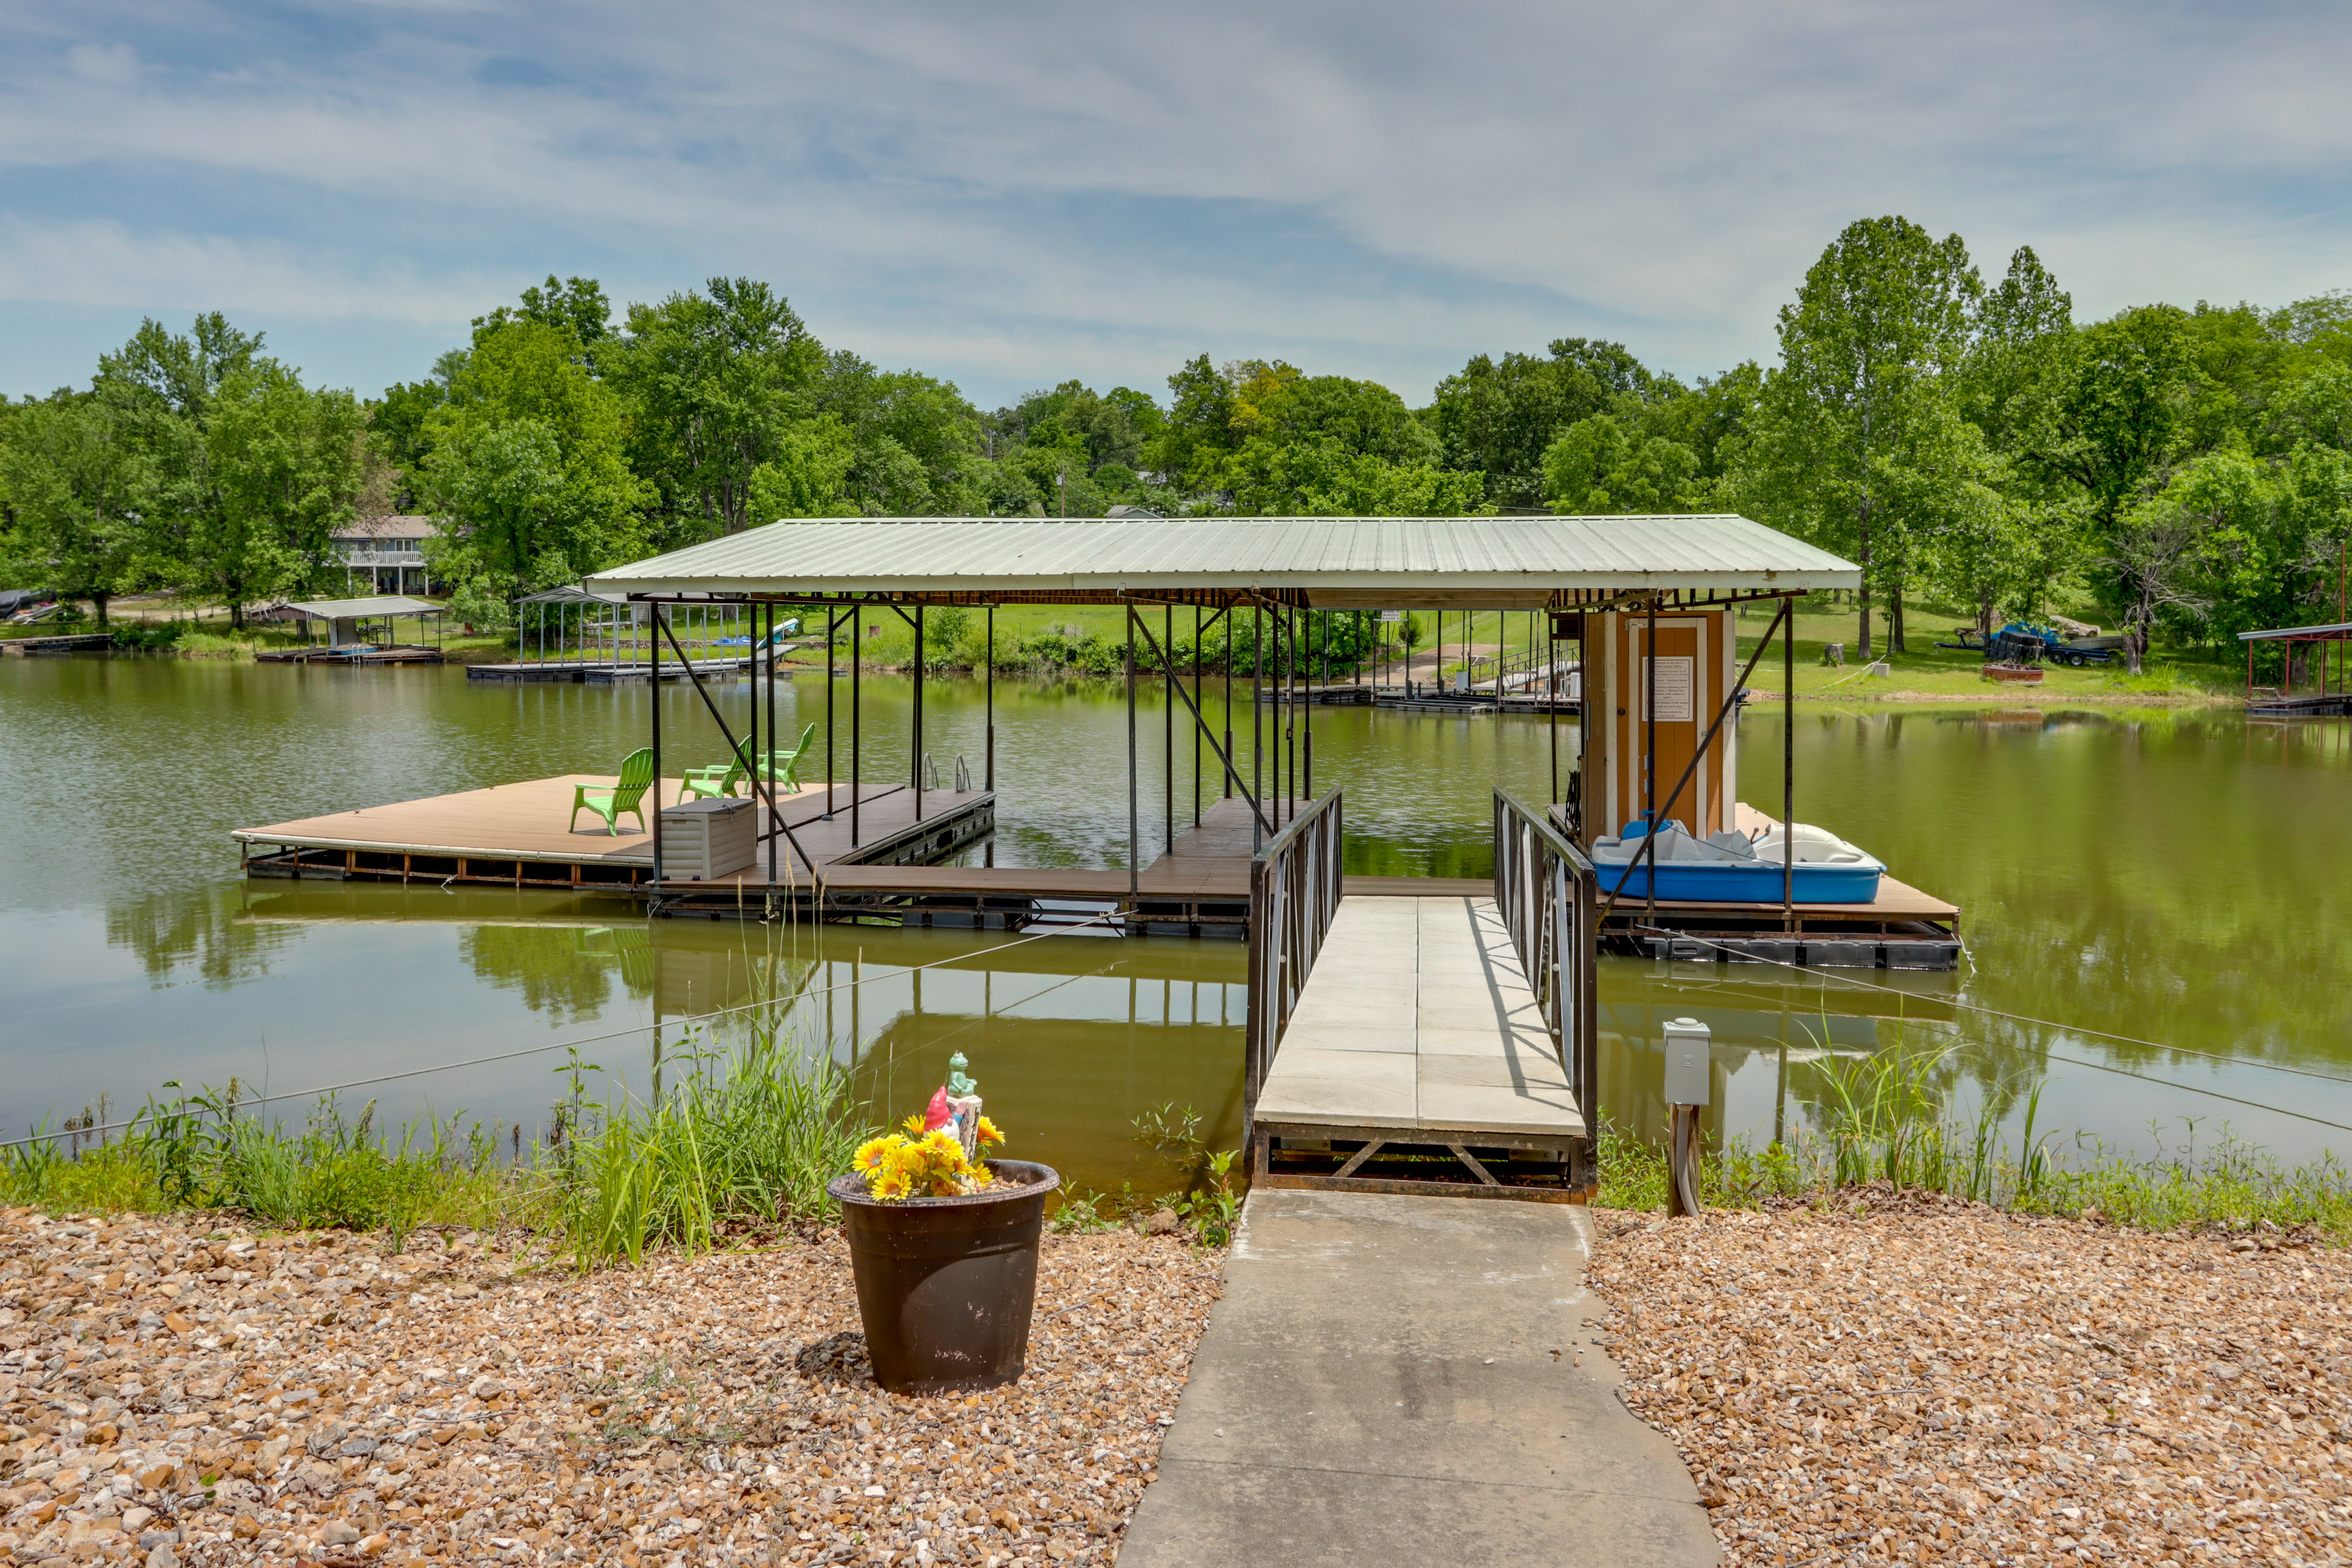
{"x": 385, "y": 555}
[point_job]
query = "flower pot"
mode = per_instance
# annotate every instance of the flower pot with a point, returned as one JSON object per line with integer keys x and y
{"x": 946, "y": 1285}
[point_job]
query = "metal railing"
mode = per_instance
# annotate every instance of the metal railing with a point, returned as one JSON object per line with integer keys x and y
{"x": 1548, "y": 892}
{"x": 1295, "y": 890}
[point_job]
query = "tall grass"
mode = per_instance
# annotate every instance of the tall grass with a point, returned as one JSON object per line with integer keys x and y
{"x": 747, "y": 1137}
{"x": 1881, "y": 1121}
{"x": 751, "y": 1136}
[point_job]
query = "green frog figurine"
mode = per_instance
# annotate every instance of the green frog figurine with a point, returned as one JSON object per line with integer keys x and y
{"x": 964, "y": 1098}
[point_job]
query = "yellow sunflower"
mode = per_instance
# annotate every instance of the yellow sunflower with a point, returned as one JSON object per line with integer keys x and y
{"x": 870, "y": 1152}
{"x": 988, "y": 1133}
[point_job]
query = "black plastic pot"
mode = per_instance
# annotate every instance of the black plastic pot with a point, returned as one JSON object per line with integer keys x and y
{"x": 946, "y": 1285}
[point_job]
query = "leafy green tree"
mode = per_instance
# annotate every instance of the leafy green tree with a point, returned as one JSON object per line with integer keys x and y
{"x": 808, "y": 475}
{"x": 576, "y": 305}
{"x": 1596, "y": 466}
{"x": 289, "y": 462}
{"x": 70, "y": 485}
{"x": 915, "y": 440}
{"x": 160, "y": 392}
{"x": 1501, "y": 417}
{"x": 1199, "y": 429}
{"x": 522, "y": 408}
{"x": 1878, "y": 323}
{"x": 506, "y": 480}
{"x": 718, "y": 380}
{"x": 2020, "y": 337}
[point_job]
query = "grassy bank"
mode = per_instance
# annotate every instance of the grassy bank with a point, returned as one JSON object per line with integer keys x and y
{"x": 742, "y": 1140}
{"x": 1879, "y": 1132}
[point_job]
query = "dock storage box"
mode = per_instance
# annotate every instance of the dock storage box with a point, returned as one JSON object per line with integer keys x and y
{"x": 704, "y": 839}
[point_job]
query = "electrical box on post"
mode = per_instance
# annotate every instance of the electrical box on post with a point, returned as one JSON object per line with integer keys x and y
{"x": 1687, "y": 1040}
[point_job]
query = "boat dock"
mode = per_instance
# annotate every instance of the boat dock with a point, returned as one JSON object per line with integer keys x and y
{"x": 606, "y": 672}
{"x": 874, "y": 854}
{"x": 61, "y": 642}
{"x": 1417, "y": 1034}
{"x": 390, "y": 653}
{"x": 870, "y": 857}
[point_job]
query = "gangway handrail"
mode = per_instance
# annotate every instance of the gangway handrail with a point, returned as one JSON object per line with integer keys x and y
{"x": 1548, "y": 892}
{"x": 1295, "y": 890}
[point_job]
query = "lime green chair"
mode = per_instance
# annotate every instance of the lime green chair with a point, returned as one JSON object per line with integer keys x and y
{"x": 610, "y": 801}
{"x": 780, "y": 770}
{"x": 718, "y": 779}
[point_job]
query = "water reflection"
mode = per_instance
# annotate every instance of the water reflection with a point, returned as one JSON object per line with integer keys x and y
{"x": 2175, "y": 875}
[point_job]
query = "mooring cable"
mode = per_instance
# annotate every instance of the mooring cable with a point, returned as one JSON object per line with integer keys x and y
{"x": 2071, "y": 1061}
{"x": 1998, "y": 1012}
{"x": 573, "y": 1045}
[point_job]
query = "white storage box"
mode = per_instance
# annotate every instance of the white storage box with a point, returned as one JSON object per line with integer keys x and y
{"x": 703, "y": 839}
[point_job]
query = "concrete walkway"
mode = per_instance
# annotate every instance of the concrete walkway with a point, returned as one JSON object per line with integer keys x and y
{"x": 1396, "y": 1381}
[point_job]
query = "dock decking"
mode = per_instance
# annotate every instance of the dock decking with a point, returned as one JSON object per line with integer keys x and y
{"x": 516, "y": 836}
{"x": 604, "y": 671}
{"x": 1417, "y": 1030}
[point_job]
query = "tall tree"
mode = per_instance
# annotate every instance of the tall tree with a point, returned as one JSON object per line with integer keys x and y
{"x": 914, "y": 439}
{"x": 529, "y": 375}
{"x": 1499, "y": 418}
{"x": 70, "y": 484}
{"x": 1596, "y": 466}
{"x": 1879, "y": 322}
{"x": 719, "y": 378}
{"x": 289, "y": 461}
{"x": 160, "y": 391}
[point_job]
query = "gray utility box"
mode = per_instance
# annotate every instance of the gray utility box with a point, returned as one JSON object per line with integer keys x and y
{"x": 704, "y": 839}
{"x": 1687, "y": 1062}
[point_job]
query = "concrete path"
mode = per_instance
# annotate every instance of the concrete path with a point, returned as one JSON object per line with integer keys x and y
{"x": 1396, "y": 1381}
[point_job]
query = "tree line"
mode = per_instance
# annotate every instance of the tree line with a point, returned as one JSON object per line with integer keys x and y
{"x": 1968, "y": 441}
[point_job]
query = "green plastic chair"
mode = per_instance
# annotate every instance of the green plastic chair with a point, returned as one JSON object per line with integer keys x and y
{"x": 636, "y": 777}
{"x": 718, "y": 779}
{"x": 780, "y": 770}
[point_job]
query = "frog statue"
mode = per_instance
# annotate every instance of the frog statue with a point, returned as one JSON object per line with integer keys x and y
{"x": 963, "y": 1100}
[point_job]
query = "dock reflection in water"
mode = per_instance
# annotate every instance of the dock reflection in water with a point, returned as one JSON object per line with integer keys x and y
{"x": 1070, "y": 1037}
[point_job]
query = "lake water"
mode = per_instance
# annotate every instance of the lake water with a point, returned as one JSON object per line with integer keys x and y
{"x": 2178, "y": 877}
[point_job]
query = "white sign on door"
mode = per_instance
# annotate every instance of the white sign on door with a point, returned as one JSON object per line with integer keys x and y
{"x": 1674, "y": 674}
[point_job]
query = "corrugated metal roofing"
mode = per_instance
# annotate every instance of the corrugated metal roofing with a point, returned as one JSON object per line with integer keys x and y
{"x": 381, "y": 605}
{"x": 2338, "y": 628}
{"x": 1113, "y": 555}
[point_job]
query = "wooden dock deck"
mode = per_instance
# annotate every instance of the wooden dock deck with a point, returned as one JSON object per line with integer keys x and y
{"x": 516, "y": 836}
{"x": 606, "y": 672}
{"x": 1416, "y": 1033}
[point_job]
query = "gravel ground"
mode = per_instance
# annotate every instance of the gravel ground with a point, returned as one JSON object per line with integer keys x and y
{"x": 176, "y": 1393}
{"x": 1917, "y": 1380}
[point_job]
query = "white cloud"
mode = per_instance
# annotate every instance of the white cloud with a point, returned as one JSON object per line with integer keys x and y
{"x": 1016, "y": 193}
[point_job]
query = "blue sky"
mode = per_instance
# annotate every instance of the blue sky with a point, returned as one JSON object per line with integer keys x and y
{"x": 1013, "y": 195}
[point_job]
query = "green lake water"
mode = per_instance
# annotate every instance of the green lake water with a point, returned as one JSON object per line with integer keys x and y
{"x": 2174, "y": 876}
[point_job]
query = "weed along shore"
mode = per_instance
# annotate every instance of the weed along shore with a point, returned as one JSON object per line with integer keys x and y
{"x": 191, "y": 1390}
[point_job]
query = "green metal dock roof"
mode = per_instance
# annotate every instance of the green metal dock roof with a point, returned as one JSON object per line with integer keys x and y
{"x": 1326, "y": 562}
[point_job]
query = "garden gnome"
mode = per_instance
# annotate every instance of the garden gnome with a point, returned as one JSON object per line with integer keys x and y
{"x": 963, "y": 1096}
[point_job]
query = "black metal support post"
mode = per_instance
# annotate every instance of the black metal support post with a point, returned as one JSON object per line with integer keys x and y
{"x": 652, "y": 688}
{"x": 1167, "y": 716}
{"x": 1788, "y": 789}
{"x": 990, "y": 774}
{"x": 1225, "y": 752}
{"x": 1650, "y": 753}
{"x": 919, "y": 712}
{"x": 856, "y": 703}
{"x": 1134, "y": 818}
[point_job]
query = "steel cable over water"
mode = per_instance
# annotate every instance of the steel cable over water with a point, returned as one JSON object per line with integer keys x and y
{"x": 1825, "y": 977}
{"x": 590, "y": 1040}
